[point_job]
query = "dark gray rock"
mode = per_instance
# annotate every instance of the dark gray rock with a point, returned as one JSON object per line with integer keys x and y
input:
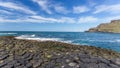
{"x": 29, "y": 65}
{"x": 62, "y": 55}
{"x": 3, "y": 64}
{"x": 2, "y": 57}
{"x": 37, "y": 63}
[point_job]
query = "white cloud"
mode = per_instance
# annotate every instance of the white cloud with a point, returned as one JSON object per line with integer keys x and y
{"x": 87, "y": 19}
{"x": 17, "y": 7}
{"x": 108, "y": 19}
{"x": 37, "y": 19}
{"x": 44, "y": 19}
{"x": 25, "y": 20}
{"x": 107, "y": 8}
{"x": 61, "y": 9}
{"x": 44, "y": 5}
{"x": 113, "y": 18}
{"x": 5, "y": 12}
{"x": 91, "y": 2}
{"x": 40, "y": 19}
{"x": 80, "y": 9}
{"x": 67, "y": 20}
{"x": 47, "y": 5}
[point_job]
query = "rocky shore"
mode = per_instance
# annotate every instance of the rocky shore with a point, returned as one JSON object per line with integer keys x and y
{"x": 16, "y": 53}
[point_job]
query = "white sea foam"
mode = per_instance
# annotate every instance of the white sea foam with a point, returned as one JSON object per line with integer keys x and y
{"x": 27, "y": 36}
{"x": 103, "y": 40}
{"x": 7, "y": 33}
{"x": 67, "y": 41}
{"x": 118, "y": 40}
{"x": 39, "y": 39}
{"x": 111, "y": 41}
{"x": 32, "y": 37}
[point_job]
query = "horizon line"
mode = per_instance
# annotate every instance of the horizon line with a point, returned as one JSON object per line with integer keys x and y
{"x": 42, "y": 31}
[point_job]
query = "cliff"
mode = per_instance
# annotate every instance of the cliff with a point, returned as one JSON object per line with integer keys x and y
{"x": 113, "y": 27}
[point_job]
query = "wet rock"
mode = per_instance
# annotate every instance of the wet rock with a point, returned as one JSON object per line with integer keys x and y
{"x": 3, "y": 64}
{"x": 22, "y": 66}
{"x": 29, "y": 58}
{"x": 22, "y": 61}
{"x": 102, "y": 65}
{"x": 4, "y": 56}
{"x": 67, "y": 60}
{"x": 58, "y": 60}
{"x": 17, "y": 64}
{"x": 8, "y": 66}
{"x": 67, "y": 66}
{"x": 26, "y": 55}
{"x": 29, "y": 65}
{"x": 48, "y": 54}
{"x": 102, "y": 60}
{"x": 37, "y": 63}
{"x": 116, "y": 61}
{"x": 87, "y": 60}
{"x": 72, "y": 64}
{"x": 113, "y": 66}
{"x": 50, "y": 65}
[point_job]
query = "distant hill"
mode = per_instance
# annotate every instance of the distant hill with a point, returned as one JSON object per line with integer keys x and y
{"x": 113, "y": 27}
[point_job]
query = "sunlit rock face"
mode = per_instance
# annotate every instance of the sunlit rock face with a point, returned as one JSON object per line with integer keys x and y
{"x": 113, "y": 27}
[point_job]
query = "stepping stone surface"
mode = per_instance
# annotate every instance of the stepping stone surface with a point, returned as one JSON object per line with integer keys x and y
{"x": 16, "y": 53}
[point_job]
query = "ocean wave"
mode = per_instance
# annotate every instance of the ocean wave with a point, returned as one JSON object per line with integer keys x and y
{"x": 39, "y": 39}
{"x": 27, "y": 36}
{"x": 33, "y": 37}
{"x": 102, "y": 40}
{"x": 117, "y": 40}
{"x": 110, "y": 41}
{"x": 67, "y": 41}
{"x": 7, "y": 33}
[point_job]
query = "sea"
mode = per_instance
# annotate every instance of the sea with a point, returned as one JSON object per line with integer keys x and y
{"x": 97, "y": 39}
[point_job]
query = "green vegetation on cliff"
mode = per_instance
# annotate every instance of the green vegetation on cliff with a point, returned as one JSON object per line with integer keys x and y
{"x": 113, "y": 27}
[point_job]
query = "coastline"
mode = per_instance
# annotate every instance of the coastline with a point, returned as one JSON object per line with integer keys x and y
{"x": 47, "y": 54}
{"x": 111, "y": 27}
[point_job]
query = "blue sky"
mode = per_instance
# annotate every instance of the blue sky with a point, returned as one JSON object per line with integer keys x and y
{"x": 56, "y": 15}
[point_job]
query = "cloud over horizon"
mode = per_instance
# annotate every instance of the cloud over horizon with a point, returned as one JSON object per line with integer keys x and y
{"x": 54, "y": 11}
{"x": 107, "y": 8}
